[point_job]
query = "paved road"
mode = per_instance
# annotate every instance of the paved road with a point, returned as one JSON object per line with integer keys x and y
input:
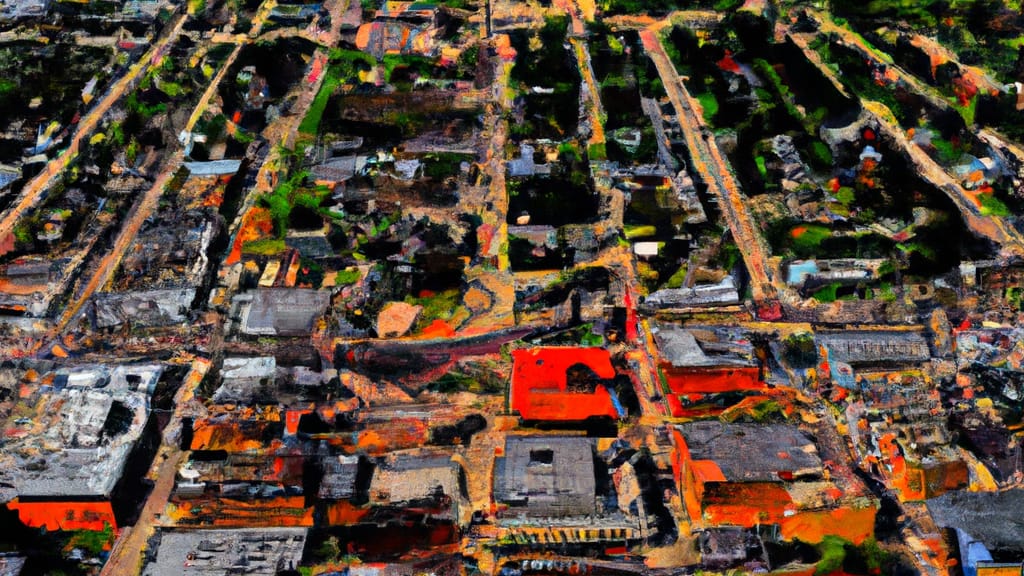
{"x": 145, "y": 207}
{"x": 36, "y": 188}
{"x": 211, "y": 90}
{"x": 714, "y": 170}
{"x": 108, "y": 265}
{"x": 593, "y": 90}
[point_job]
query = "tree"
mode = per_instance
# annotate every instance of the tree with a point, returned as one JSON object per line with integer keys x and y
{"x": 800, "y": 350}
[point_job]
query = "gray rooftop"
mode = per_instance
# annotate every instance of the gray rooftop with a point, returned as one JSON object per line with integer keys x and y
{"x": 339, "y": 482}
{"x": 241, "y": 377}
{"x": 285, "y": 311}
{"x": 64, "y": 448}
{"x": 412, "y": 475}
{"x": 11, "y": 565}
{"x": 868, "y": 347}
{"x": 258, "y": 551}
{"x": 339, "y": 169}
{"x": 680, "y": 348}
{"x": 162, "y": 307}
{"x": 993, "y": 518}
{"x": 310, "y": 246}
{"x": 753, "y": 452}
{"x": 722, "y": 294}
{"x": 547, "y": 476}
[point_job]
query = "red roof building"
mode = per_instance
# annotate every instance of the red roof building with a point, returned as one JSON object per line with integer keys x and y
{"x": 562, "y": 384}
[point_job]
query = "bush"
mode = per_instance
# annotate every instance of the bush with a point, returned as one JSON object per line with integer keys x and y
{"x": 992, "y": 206}
{"x": 827, "y": 294}
{"x": 807, "y": 239}
{"x": 821, "y": 156}
{"x": 347, "y": 277}
{"x": 267, "y": 247}
{"x": 833, "y": 553}
{"x": 710, "y": 105}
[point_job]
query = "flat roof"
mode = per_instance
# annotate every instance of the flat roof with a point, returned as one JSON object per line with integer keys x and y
{"x": 547, "y": 475}
{"x": 251, "y": 551}
{"x": 285, "y": 311}
{"x": 68, "y": 446}
{"x": 753, "y": 452}
{"x": 865, "y": 347}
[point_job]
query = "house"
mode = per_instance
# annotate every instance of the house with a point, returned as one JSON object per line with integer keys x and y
{"x": 693, "y": 377}
{"x": 985, "y": 523}
{"x": 344, "y": 489}
{"x": 746, "y": 475}
{"x": 8, "y": 175}
{"x": 978, "y": 171}
{"x": 28, "y": 272}
{"x": 214, "y": 167}
{"x": 523, "y": 165}
{"x": 240, "y": 375}
{"x": 870, "y": 154}
{"x": 540, "y": 237}
{"x": 563, "y": 384}
{"x": 843, "y": 270}
{"x": 294, "y": 13}
{"x": 159, "y": 307}
{"x": 723, "y": 293}
{"x": 11, "y": 565}
{"x": 396, "y": 37}
{"x": 338, "y": 170}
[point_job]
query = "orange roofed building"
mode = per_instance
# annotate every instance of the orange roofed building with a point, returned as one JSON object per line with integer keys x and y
{"x": 693, "y": 377}
{"x": 563, "y": 384}
{"x": 747, "y": 475}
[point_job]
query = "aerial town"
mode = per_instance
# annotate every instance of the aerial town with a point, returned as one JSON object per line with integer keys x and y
{"x": 511, "y": 287}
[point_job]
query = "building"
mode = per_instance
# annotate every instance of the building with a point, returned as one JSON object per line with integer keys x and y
{"x": 523, "y": 165}
{"x": 871, "y": 347}
{"x": 338, "y": 170}
{"x": 747, "y": 475}
{"x": 258, "y": 551}
{"x": 547, "y": 491}
{"x": 241, "y": 376}
{"x": 723, "y": 293}
{"x": 11, "y": 565}
{"x": 8, "y": 175}
{"x": 563, "y": 384}
{"x": 28, "y": 272}
{"x": 214, "y": 167}
{"x": 159, "y": 307}
{"x": 284, "y": 311}
{"x": 692, "y": 374}
{"x": 343, "y": 489}
{"x": 988, "y": 527}
{"x": 60, "y": 466}
{"x": 430, "y": 482}
{"x": 546, "y": 476}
